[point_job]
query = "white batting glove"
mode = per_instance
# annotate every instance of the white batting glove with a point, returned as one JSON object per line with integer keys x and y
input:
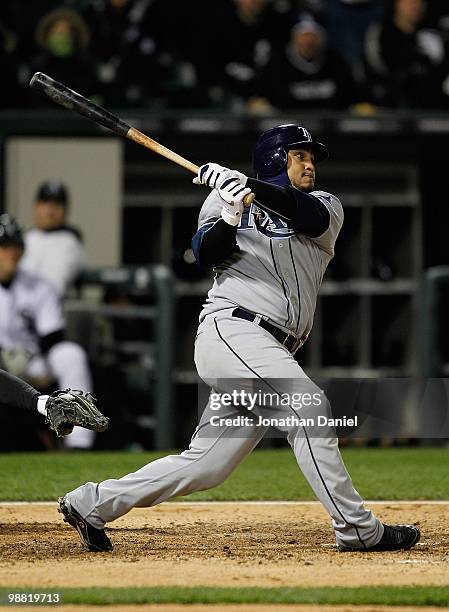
{"x": 210, "y": 174}
{"x": 232, "y": 192}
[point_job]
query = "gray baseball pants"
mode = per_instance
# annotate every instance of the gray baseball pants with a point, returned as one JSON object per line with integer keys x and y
{"x": 227, "y": 348}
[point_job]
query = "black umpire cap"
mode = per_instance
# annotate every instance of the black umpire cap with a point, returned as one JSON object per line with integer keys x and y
{"x": 53, "y": 191}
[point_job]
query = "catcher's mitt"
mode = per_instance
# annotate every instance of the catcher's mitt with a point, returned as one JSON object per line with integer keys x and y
{"x": 68, "y": 408}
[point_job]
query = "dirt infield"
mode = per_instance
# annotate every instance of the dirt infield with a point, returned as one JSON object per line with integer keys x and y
{"x": 218, "y": 544}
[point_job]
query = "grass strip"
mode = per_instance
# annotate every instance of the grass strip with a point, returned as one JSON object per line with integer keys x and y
{"x": 267, "y": 474}
{"x": 378, "y": 595}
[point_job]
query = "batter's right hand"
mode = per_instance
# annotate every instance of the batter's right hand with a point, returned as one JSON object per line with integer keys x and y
{"x": 209, "y": 174}
{"x": 232, "y": 192}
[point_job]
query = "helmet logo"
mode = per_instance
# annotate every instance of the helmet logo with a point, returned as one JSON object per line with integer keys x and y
{"x": 306, "y": 134}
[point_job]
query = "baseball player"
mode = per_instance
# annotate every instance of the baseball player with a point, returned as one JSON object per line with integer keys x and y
{"x": 32, "y": 343}
{"x": 53, "y": 249}
{"x": 269, "y": 262}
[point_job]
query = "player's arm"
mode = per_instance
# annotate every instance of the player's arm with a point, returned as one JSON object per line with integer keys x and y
{"x": 16, "y": 393}
{"x": 307, "y": 214}
{"x": 62, "y": 409}
{"x": 214, "y": 242}
{"x": 216, "y": 238}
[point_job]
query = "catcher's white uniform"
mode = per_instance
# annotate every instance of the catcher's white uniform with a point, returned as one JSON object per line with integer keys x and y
{"x": 32, "y": 340}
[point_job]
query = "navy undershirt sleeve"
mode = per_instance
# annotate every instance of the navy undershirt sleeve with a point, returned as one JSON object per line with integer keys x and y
{"x": 213, "y": 243}
{"x": 307, "y": 214}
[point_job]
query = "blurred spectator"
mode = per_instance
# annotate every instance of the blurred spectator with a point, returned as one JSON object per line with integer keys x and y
{"x": 306, "y": 74}
{"x": 11, "y": 96}
{"x": 234, "y": 43}
{"x": 405, "y": 61}
{"x": 347, "y": 22}
{"x": 32, "y": 328}
{"x": 53, "y": 249}
{"x": 135, "y": 51}
{"x": 21, "y": 17}
{"x": 63, "y": 38}
{"x": 438, "y": 14}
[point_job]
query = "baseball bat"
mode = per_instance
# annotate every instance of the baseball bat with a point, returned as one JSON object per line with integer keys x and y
{"x": 74, "y": 101}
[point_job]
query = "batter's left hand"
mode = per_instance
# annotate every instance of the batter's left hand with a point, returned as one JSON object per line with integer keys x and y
{"x": 211, "y": 174}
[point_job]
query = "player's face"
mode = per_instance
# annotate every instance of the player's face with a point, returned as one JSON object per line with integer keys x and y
{"x": 301, "y": 169}
{"x": 9, "y": 259}
{"x": 49, "y": 214}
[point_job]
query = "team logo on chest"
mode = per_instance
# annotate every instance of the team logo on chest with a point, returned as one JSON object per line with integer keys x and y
{"x": 270, "y": 224}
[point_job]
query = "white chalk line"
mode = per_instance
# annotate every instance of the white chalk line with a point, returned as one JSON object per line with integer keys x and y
{"x": 393, "y": 502}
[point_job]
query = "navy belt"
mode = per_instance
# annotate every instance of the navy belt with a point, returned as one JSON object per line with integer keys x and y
{"x": 291, "y": 342}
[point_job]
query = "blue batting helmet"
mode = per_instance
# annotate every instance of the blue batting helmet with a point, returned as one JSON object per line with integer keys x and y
{"x": 271, "y": 149}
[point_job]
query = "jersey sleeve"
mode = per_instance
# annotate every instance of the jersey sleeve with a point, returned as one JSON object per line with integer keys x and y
{"x": 210, "y": 210}
{"x": 214, "y": 240}
{"x": 326, "y": 241}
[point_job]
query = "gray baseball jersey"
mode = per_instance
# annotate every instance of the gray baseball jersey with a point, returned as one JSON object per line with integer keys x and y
{"x": 275, "y": 272}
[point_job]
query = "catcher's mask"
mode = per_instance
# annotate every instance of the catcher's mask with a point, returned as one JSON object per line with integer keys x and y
{"x": 10, "y": 232}
{"x": 271, "y": 150}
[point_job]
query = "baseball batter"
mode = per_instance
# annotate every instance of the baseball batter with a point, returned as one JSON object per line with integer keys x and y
{"x": 269, "y": 262}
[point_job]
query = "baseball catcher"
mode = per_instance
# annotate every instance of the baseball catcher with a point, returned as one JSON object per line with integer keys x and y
{"x": 63, "y": 410}
{"x": 33, "y": 343}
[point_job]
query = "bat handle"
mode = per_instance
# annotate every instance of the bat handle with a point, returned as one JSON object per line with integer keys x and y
{"x": 248, "y": 199}
{"x": 142, "y": 139}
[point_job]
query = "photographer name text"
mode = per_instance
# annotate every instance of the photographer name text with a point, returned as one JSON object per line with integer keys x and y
{"x": 288, "y": 421}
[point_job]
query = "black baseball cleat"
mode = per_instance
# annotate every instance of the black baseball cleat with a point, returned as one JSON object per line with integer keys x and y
{"x": 395, "y": 537}
{"x": 91, "y": 538}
